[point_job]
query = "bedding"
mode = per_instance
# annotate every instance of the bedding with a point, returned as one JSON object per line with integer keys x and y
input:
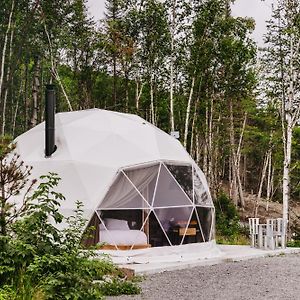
{"x": 116, "y": 224}
{"x": 123, "y": 237}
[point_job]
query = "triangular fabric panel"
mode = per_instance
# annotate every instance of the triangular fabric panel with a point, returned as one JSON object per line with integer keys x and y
{"x": 201, "y": 196}
{"x": 184, "y": 176}
{"x": 168, "y": 192}
{"x": 174, "y": 221}
{"x": 157, "y": 235}
{"x": 144, "y": 179}
{"x": 123, "y": 195}
{"x": 193, "y": 232}
{"x": 205, "y": 215}
{"x": 140, "y": 236}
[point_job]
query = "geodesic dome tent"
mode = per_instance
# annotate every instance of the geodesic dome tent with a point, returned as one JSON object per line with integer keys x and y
{"x": 138, "y": 185}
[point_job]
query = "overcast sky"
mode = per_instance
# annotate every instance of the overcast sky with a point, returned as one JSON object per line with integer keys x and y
{"x": 258, "y": 9}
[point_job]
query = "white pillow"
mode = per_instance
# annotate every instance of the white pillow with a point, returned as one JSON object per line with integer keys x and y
{"x": 115, "y": 224}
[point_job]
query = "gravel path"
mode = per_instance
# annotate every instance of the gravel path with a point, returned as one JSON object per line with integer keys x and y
{"x": 263, "y": 278}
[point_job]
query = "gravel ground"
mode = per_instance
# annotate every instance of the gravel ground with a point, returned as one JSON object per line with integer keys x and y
{"x": 263, "y": 278}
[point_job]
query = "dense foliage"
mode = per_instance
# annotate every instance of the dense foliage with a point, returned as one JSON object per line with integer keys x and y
{"x": 228, "y": 227}
{"x": 39, "y": 261}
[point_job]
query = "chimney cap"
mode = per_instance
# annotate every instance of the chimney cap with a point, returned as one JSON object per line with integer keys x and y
{"x": 50, "y": 86}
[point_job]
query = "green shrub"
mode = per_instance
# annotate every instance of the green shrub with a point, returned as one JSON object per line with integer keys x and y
{"x": 117, "y": 286}
{"x": 7, "y": 293}
{"x": 295, "y": 243}
{"x": 38, "y": 261}
{"x": 228, "y": 229}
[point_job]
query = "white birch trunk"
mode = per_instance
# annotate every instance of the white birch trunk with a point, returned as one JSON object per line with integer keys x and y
{"x": 262, "y": 179}
{"x": 138, "y": 93}
{"x": 210, "y": 147}
{"x": 269, "y": 180}
{"x": 286, "y": 171}
{"x": 152, "y": 113}
{"x": 173, "y": 13}
{"x": 233, "y": 157}
{"x": 35, "y": 93}
{"x": 236, "y": 154}
{"x": 193, "y": 130}
{"x": 5, "y": 46}
{"x": 205, "y": 149}
{"x": 54, "y": 71}
{"x": 137, "y": 102}
{"x": 197, "y": 149}
{"x": 188, "y": 112}
{"x": 290, "y": 117}
{"x": 7, "y": 79}
{"x": 15, "y": 118}
{"x": 263, "y": 176}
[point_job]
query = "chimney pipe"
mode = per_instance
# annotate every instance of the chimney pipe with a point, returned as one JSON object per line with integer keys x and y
{"x": 50, "y": 120}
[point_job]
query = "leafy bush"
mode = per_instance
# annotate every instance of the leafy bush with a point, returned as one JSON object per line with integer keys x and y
{"x": 227, "y": 222}
{"x": 38, "y": 261}
{"x": 7, "y": 293}
{"x": 295, "y": 241}
{"x": 116, "y": 286}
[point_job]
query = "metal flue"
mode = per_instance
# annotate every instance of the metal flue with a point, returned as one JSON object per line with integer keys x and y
{"x": 50, "y": 105}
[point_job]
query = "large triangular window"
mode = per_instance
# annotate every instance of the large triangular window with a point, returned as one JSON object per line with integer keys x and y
{"x": 201, "y": 195}
{"x": 123, "y": 195}
{"x": 168, "y": 191}
{"x": 144, "y": 179}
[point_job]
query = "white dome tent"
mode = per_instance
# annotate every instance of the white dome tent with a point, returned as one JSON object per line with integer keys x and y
{"x": 138, "y": 185}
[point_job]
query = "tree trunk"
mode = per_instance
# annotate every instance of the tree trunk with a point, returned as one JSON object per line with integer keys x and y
{"x": 8, "y": 79}
{"x": 5, "y": 46}
{"x": 188, "y": 111}
{"x": 269, "y": 180}
{"x": 245, "y": 170}
{"x": 25, "y": 94}
{"x": 210, "y": 145}
{"x": 172, "y": 123}
{"x": 192, "y": 151}
{"x": 114, "y": 93}
{"x": 152, "y": 114}
{"x": 137, "y": 102}
{"x": 262, "y": 179}
{"x": 236, "y": 154}
{"x": 54, "y": 71}
{"x": 237, "y": 163}
{"x": 35, "y": 93}
{"x": 197, "y": 149}
{"x": 286, "y": 170}
{"x": 205, "y": 149}
{"x": 233, "y": 157}
{"x": 127, "y": 91}
{"x": 15, "y": 118}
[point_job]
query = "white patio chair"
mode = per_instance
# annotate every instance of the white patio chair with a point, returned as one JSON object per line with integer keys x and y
{"x": 262, "y": 237}
{"x": 253, "y": 227}
{"x": 271, "y": 233}
{"x": 280, "y": 233}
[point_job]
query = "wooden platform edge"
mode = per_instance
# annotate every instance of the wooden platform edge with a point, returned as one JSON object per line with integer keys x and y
{"x": 124, "y": 247}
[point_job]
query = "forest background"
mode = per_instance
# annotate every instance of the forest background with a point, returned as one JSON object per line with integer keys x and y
{"x": 183, "y": 65}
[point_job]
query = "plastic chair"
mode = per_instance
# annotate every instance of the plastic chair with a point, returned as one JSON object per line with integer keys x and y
{"x": 253, "y": 227}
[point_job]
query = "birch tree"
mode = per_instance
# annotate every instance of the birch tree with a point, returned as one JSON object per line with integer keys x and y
{"x": 154, "y": 42}
{"x": 6, "y": 38}
{"x": 282, "y": 68}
